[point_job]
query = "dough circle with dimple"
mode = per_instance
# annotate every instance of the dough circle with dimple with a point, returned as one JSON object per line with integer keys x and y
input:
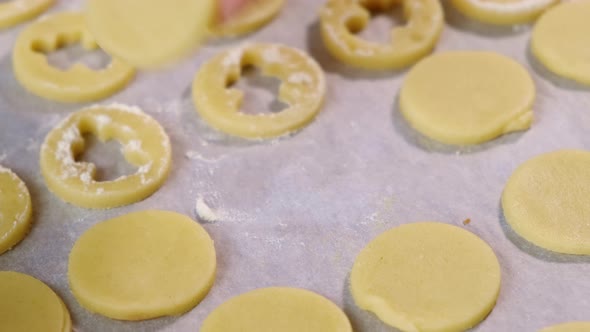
{"x": 250, "y": 18}
{"x": 15, "y": 209}
{"x": 17, "y": 11}
{"x": 27, "y": 304}
{"x": 547, "y": 201}
{"x": 277, "y": 309}
{"x": 76, "y": 84}
{"x": 341, "y": 19}
{"x": 467, "y": 97}
{"x": 303, "y": 88}
{"x": 569, "y": 327}
{"x": 503, "y": 12}
{"x": 142, "y": 265}
{"x": 149, "y": 33}
{"x": 560, "y": 40}
{"x": 427, "y": 276}
{"x": 144, "y": 145}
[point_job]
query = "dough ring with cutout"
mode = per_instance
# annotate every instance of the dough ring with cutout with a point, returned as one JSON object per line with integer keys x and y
{"x": 142, "y": 265}
{"x": 303, "y": 88}
{"x": 568, "y": 327}
{"x": 503, "y": 12}
{"x": 255, "y": 15}
{"x": 340, "y": 19}
{"x": 79, "y": 83}
{"x": 547, "y": 201}
{"x": 277, "y": 309}
{"x": 467, "y": 97}
{"x": 17, "y": 11}
{"x": 560, "y": 40}
{"x": 27, "y": 304}
{"x": 15, "y": 210}
{"x": 144, "y": 144}
{"x": 427, "y": 276}
{"x": 149, "y": 33}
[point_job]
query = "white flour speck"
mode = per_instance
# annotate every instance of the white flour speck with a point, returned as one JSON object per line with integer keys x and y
{"x": 272, "y": 54}
{"x": 194, "y": 155}
{"x": 300, "y": 78}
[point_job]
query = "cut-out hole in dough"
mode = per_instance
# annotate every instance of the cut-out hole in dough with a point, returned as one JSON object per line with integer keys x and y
{"x": 68, "y": 51}
{"x": 67, "y": 56}
{"x": 260, "y": 92}
{"x": 382, "y": 22}
{"x": 107, "y": 157}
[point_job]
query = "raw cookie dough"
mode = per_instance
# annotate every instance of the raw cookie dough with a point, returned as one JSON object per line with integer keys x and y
{"x": 560, "y": 40}
{"x": 569, "y": 327}
{"x": 547, "y": 201}
{"x": 427, "y": 277}
{"x": 256, "y": 14}
{"x": 142, "y": 265}
{"x": 79, "y": 83}
{"x": 144, "y": 144}
{"x": 277, "y": 309}
{"x": 303, "y": 88}
{"x": 149, "y": 33}
{"x": 503, "y": 12}
{"x": 463, "y": 97}
{"x": 17, "y": 11}
{"x": 15, "y": 210}
{"x": 341, "y": 19}
{"x": 27, "y": 304}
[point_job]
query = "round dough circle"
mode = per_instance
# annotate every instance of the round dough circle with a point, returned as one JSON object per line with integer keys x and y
{"x": 255, "y": 15}
{"x": 79, "y": 83}
{"x": 340, "y": 18}
{"x": 569, "y": 327}
{"x": 38, "y": 308}
{"x": 15, "y": 210}
{"x": 503, "y": 12}
{"x": 142, "y": 265}
{"x": 277, "y": 309}
{"x": 303, "y": 88}
{"x": 560, "y": 40}
{"x": 144, "y": 144}
{"x": 427, "y": 276}
{"x": 149, "y": 33}
{"x": 547, "y": 201}
{"x": 17, "y": 11}
{"x": 467, "y": 97}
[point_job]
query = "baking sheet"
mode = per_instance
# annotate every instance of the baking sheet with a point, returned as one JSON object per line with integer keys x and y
{"x": 296, "y": 211}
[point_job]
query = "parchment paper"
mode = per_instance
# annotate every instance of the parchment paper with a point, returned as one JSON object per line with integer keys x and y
{"x": 296, "y": 211}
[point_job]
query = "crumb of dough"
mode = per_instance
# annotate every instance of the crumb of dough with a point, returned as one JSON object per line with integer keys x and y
{"x": 204, "y": 212}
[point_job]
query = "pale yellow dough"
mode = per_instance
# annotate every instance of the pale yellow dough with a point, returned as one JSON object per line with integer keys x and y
{"x": 17, "y": 11}
{"x": 255, "y": 15}
{"x": 547, "y": 201}
{"x": 569, "y": 327}
{"x": 144, "y": 144}
{"x": 427, "y": 277}
{"x": 560, "y": 40}
{"x": 303, "y": 88}
{"x": 341, "y": 19}
{"x": 142, "y": 265}
{"x": 463, "y": 97}
{"x": 149, "y": 33}
{"x": 15, "y": 210}
{"x": 27, "y": 304}
{"x": 79, "y": 83}
{"x": 277, "y": 309}
{"x": 503, "y": 12}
